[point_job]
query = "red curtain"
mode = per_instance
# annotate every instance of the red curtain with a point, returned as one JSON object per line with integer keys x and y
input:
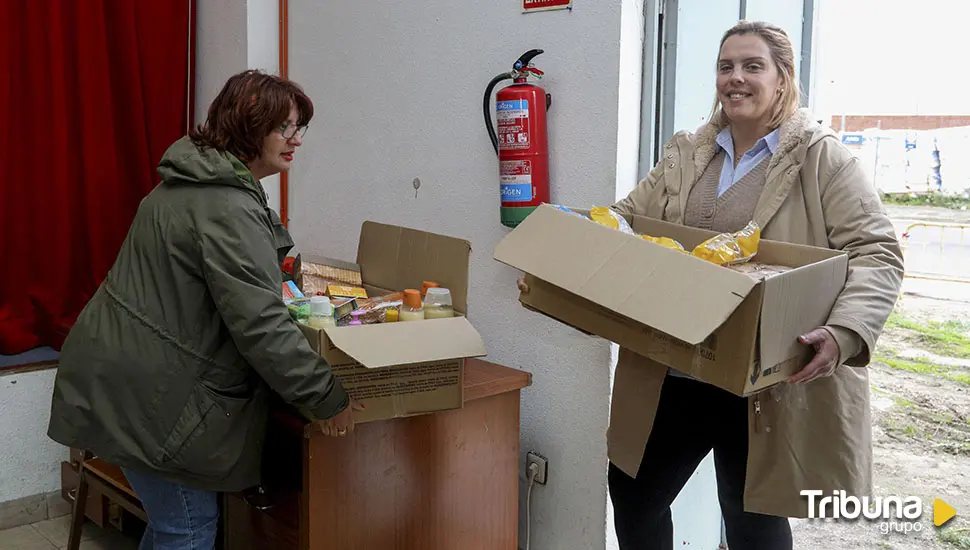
{"x": 91, "y": 94}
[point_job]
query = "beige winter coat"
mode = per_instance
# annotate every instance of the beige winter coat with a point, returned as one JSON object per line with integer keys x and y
{"x": 816, "y": 194}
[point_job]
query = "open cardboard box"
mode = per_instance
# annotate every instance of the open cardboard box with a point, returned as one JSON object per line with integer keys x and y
{"x": 406, "y": 368}
{"x": 702, "y": 319}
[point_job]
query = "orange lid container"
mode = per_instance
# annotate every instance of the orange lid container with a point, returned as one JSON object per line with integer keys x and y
{"x": 412, "y": 298}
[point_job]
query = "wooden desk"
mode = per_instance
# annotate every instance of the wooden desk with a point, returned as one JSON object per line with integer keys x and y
{"x": 439, "y": 481}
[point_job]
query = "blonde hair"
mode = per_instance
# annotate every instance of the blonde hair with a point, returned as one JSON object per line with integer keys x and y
{"x": 783, "y": 55}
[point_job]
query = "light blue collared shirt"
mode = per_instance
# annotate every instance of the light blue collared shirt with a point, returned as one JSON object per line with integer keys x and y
{"x": 765, "y": 147}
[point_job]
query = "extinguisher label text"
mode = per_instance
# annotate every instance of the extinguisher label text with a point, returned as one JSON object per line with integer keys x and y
{"x": 516, "y": 192}
{"x": 516, "y": 180}
{"x": 512, "y": 108}
{"x": 513, "y": 123}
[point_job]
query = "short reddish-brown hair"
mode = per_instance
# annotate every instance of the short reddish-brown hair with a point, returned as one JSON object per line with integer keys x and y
{"x": 250, "y": 107}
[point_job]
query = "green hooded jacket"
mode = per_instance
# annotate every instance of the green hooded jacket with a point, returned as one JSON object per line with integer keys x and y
{"x": 168, "y": 368}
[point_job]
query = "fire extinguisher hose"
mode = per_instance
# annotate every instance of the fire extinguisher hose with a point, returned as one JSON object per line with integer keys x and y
{"x": 487, "y": 107}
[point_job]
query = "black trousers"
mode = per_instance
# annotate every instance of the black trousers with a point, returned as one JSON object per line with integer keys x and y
{"x": 692, "y": 418}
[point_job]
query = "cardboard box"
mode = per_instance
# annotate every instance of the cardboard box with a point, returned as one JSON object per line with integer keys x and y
{"x": 702, "y": 319}
{"x": 404, "y": 369}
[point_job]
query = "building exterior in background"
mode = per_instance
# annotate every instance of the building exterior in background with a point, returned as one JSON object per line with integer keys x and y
{"x": 911, "y": 153}
{"x": 857, "y": 123}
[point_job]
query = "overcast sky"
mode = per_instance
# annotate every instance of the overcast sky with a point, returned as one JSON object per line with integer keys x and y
{"x": 893, "y": 57}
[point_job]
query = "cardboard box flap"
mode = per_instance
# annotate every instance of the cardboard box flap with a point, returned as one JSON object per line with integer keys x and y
{"x": 797, "y": 303}
{"x": 396, "y": 258}
{"x": 389, "y": 344}
{"x": 680, "y": 295}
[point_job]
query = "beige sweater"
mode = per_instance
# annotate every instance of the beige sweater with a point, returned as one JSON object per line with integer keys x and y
{"x": 734, "y": 208}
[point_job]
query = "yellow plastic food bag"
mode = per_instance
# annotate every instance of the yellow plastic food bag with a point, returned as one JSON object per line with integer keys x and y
{"x": 721, "y": 250}
{"x": 730, "y": 248}
{"x": 665, "y": 241}
{"x": 604, "y": 215}
{"x": 748, "y": 239}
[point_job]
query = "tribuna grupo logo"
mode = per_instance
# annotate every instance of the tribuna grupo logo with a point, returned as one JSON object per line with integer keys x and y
{"x": 894, "y": 513}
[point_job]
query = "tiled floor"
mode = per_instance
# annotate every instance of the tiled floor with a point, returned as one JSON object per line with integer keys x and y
{"x": 52, "y": 534}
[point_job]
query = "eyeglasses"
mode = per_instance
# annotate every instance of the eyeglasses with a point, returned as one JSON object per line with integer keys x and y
{"x": 289, "y": 131}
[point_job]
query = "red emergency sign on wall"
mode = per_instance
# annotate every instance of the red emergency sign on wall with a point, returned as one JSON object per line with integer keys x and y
{"x": 542, "y": 5}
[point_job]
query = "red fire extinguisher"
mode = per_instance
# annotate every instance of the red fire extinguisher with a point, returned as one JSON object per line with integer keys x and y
{"x": 520, "y": 140}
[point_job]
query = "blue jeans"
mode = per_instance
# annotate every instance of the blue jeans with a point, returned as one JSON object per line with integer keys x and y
{"x": 179, "y": 517}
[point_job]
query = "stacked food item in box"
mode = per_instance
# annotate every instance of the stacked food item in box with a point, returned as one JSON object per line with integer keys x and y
{"x": 732, "y": 250}
{"x": 333, "y": 295}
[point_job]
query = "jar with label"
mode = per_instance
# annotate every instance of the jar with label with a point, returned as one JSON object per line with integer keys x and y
{"x": 321, "y": 313}
{"x": 411, "y": 309}
{"x": 437, "y": 304}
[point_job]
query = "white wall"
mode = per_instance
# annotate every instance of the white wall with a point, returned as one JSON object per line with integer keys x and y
{"x": 263, "y": 47}
{"x": 220, "y": 50}
{"x": 398, "y": 89}
{"x": 651, "y": 88}
{"x": 233, "y": 36}
{"x": 29, "y": 460}
{"x": 632, "y": 37}
{"x": 263, "y": 32}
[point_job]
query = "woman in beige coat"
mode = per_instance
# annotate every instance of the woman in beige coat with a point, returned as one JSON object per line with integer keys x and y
{"x": 760, "y": 158}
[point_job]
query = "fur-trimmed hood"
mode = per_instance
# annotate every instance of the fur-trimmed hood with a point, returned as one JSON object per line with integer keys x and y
{"x": 799, "y": 131}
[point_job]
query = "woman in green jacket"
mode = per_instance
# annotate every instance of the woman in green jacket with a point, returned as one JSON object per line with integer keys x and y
{"x": 167, "y": 370}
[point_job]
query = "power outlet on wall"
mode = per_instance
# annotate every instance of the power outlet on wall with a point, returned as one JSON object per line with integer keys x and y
{"x": 542, "y": 466}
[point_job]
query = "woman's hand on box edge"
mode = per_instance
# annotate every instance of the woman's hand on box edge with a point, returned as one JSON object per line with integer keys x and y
{"x": 523, "y": 287}
{"x": 826, "y": 358}
{"x": 342, "y": 423}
